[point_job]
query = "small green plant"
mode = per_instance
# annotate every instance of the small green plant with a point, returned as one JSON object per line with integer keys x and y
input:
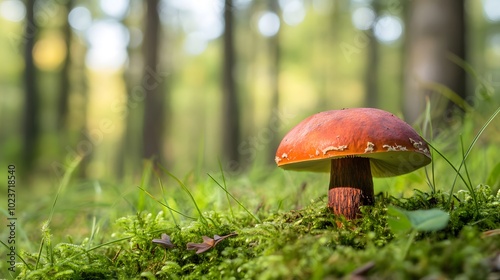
{"x": 403, "y": 222}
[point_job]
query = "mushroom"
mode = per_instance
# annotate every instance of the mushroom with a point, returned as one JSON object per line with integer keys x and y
{"x": 353, "y": 144}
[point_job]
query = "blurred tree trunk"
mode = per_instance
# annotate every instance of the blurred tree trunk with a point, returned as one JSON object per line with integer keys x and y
{"x": 153, "y": 122}
{"x": 328, "y": 31}
{"x": 230, "y": 109}
{"x": 371, "y": 69}
{"x": 129, "y": 154}
{"x": 65, "y": 76}
{"x": 30, "y": 125}
{"x": 80, "y": 87}
{"x": 274, "y": 71}
{"x": 128, "y": 160}
{"x": 436, "y": 29}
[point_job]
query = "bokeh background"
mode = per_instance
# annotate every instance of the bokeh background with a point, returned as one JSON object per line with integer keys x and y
{"x": 197, "y": 83}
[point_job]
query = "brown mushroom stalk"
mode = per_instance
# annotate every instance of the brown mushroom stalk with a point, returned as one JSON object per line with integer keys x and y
{"x": 351, "y": 186}
{"x": 353, "y": 144}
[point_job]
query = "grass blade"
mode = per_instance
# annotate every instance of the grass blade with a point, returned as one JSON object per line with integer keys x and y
{"x": 431, "y": 180}
{"x": 62, "y": 186}
{"x": 18, "y": 256}
{"x": 478, "y": 134}
{"x": 234, "y": 198}
{"x": 202, "y": 218}
{"x": 471, "y": 189}
{"x": 165, "y": 205}
{"x": 474, "y": 141}
{"x": 225, "y": 189}
{"x": 449, "y": 163}
{"x": 166, "y": 202}
{"x": 146, "y": 176}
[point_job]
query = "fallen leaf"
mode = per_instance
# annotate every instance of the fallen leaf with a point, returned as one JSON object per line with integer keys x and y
{"x": 208, "y": 243}
{"x": 495, "y": 263}
{"x": 220, "y": 238}
{"x": 491, "y": 232}
{"x": 201, "y": 247}
{"x": 361, "y": 272}
{"x": 164, "y": 241}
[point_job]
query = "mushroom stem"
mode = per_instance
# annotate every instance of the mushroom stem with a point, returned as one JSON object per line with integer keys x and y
{"x": 351, "y": 186}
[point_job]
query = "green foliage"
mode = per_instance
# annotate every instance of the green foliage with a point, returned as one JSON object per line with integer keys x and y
{"x": 422, "y": 220}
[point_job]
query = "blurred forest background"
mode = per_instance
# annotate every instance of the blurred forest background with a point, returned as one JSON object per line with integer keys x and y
{"x": 191, "y": 82}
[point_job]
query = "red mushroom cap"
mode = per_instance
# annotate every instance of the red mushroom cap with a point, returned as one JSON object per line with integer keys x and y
{"x": 392, "y": 145}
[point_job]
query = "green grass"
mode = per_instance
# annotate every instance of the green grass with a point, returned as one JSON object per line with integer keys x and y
{"x": 284, "y": 229}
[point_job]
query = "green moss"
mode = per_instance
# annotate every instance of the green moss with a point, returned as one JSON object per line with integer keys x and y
{"x": 309, "y": 243}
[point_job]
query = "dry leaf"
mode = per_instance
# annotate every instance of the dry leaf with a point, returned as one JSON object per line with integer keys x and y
{"x": 360, "y": 272}
{"x": 201, "y": 247}
{"x": 207, "y": 243}
{"x": 164, "y": 241}
{"x": 491, "y": 232}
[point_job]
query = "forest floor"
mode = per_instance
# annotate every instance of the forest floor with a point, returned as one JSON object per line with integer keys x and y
{"x": 309, "y": 243}
{"x": 441, "y": 222}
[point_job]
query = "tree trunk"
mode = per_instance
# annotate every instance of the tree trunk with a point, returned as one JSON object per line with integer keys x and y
{"x": 274, "y": 71}
{"x": 153, "y": 123}
{"x": 230, "y": 109}
{"x": 30, "y": 125}
{"x": 130, "y": 154}
{"x": 65, "y": 75}
{"x": 371, "y": 69}
{"x": 436, "y": 30}
{"x": 328, "y": 33}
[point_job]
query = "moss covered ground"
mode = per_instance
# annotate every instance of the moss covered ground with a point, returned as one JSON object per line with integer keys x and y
{"x": 309, "y": 243}
{"x": 441, "y": 222}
